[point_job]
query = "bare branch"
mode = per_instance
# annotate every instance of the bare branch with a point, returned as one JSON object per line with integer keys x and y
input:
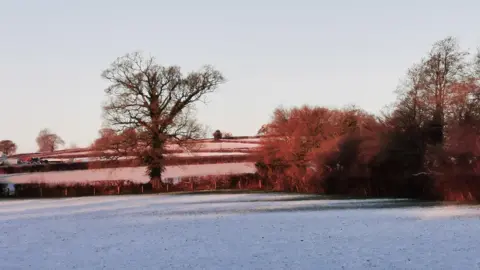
{"x": 156, "y": 101}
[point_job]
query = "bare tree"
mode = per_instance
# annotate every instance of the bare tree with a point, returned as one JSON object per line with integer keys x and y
{"x": 48, "y": 141}
{"x": 444, "y": 68}
{"x": 409, "y": 110}
{"x": 158, "y": 102}
{"x": 8, "y": 147}
{"x": 425, "y": 97}
{"x": 477, "y": 63}
{"x": 437, "y": 110}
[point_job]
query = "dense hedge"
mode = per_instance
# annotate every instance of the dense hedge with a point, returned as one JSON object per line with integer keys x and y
{"x": 100, "y": 154}
{"x": 173, "y": 161}
{"x": 78, "y": 150}
{"x": 198, "y": 183}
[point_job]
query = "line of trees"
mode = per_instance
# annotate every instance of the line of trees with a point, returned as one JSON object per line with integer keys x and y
{"x": 46, "y": 140}
{"x": 426, "y": 146}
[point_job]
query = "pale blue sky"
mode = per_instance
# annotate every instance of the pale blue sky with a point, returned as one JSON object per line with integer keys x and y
{"x": 272, "y": 52}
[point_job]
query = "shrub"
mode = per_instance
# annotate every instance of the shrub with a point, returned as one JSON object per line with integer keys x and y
{"x": 217, "y": 135}
{"x": 3, "y": 189}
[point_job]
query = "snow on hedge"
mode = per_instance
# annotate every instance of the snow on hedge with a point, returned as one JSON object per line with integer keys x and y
{"x": 217, "y": 146}
{"x": 191, "y": 154}
{"x": 206, "y": 154}
{"x": 228, "y": 145}
{"x": 134, "y": 174}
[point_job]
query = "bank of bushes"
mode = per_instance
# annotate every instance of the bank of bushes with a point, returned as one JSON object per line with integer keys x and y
{"x": 348, "y": 152}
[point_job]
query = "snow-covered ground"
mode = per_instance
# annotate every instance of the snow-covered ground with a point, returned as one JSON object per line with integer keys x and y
{"x": 248, "y": 140}
{"x": 235, "y": 232}
{"x": 240, "y": 144}
{"x": 134, "y": 174}
{"x": 209, "y": 146}
{"x": 186, "y": 154}
{"x": 206, "y": 154}
{"x": 72, "y": 153}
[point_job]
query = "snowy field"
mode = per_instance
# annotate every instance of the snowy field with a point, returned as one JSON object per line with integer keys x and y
{"x": 209, "y": 146}
{"x": 202, "y": 149}
{"x": 255, "y": 231}
{"x": 191, "y": 154}
{"x": 134, "y": 174}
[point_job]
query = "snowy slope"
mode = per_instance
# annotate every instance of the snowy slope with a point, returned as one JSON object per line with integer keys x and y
{"x": 191, "y": 154}
{"x": 235, "y": 232}
{"x": 209, "y": 146}
{"x": 134, "y": 174}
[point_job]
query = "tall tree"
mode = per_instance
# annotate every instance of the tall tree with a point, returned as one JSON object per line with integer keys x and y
{"x": 8, "y": 147}
{"x": 410, "y": 111}
{"x": 48, "y": 141}
{"x": 158, "y": 102}
{"x": 434, "y": 118}
{"x": 444, "y": 68}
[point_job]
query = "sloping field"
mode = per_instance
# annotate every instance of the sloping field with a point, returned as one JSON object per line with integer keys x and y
{"x": 202, "y": 148}
{"x": 236, "y": 232}
{"x": 226, "y": 157}
{"x": 134, "y": 174}
{"x": 207, "y": 146}
{"x": 61, "y": 158}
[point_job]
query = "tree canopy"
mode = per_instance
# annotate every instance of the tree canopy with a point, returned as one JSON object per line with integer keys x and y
{"x": 156, "y": 101}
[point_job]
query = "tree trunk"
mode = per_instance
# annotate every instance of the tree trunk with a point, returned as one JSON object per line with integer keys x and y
{"x": 155, "y": 168}
{"x": 436, "y": 127}
{"x": 155, "y": 162}
{"x": 155, "y": 179}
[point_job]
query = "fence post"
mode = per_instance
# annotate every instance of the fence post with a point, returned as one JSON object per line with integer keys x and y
{"x": 260, "y": 183}
{"x": 239, "y": 183}
{"x": 41, "y": 192}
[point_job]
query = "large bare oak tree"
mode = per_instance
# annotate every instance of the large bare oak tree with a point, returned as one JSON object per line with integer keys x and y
{"x": 157, "y": 102}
